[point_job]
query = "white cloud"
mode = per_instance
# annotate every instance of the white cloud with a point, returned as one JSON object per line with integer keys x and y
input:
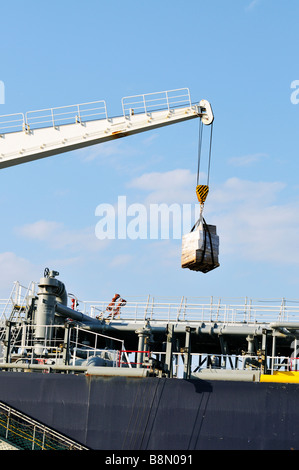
{"x": 120, "y": 261}
{"x": 111, "y": 150}
{"x": 253, "y": 223}
{"x": 121, "y": 155}
{"x": 65, "y": 262}
{"x": 168, "y": 187}
{"x": 59, "y": 237}
{"x": 40, "y": 230}
{"x": 252, "y": 4}
{"x": 15, "y": 268}
{"x": 247, "y": 160}
{"x": 253, "y": 219}
{"x": 236, "y": 190}
{"x": 148, "y": 140}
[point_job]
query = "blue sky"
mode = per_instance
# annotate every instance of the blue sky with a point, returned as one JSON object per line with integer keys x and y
{"x": 241, "y": 55}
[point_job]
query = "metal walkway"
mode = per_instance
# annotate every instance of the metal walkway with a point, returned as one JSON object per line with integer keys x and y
{"x": 197, "y": 309}
{"x": 46, "y": 132}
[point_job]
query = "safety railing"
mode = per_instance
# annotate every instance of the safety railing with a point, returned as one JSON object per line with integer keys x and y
{"x": 77, "y": 113}
{"x": 27, "y": 434}
{"x": 201, "y": 309}
{"x": 94, "y": 110}
{"x": 294, "y": 364}
{"x": 190, "y": 311}
{"x": 56, "y": 346}
{"x": 12, "y": 123}
{"x": 170, "y": 312}
{"x": 53, "y": 117}
{"x": 14, "y": 307}
{"x": 149, "y": 102}
{"x": 202, "y": 362}
{"x": 135, "y": 360}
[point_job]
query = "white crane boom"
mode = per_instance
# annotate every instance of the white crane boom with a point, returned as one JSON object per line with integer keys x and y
{"x": 47, "y": 132}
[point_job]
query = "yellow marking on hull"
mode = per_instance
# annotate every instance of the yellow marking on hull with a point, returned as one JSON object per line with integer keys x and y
{"x": 281, "y": 377}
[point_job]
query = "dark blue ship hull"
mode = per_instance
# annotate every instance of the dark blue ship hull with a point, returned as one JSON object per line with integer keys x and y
{"x": 120, "y": 413}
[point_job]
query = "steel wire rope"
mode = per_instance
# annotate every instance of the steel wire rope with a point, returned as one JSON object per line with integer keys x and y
{"x": 206, "y": 228}
{"x": 199, "y": 149}
{"x": 210, "y": 153}
{"x": 200, "y": 139}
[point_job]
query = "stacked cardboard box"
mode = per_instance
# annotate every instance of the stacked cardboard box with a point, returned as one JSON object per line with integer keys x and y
{"x": 200, "y": 249}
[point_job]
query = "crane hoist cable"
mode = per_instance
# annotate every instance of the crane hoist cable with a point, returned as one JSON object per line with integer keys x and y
{"x": 203, "y": 189}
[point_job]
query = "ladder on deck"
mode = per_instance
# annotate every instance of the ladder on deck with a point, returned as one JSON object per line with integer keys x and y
{"x": 25, "y": 433}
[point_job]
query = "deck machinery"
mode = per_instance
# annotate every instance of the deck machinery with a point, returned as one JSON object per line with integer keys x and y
{"x": 46, "y": 330}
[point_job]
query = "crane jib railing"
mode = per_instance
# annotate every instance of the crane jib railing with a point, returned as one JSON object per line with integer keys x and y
{"x": 92, "y": 111}
{"x": 155, "y": 101}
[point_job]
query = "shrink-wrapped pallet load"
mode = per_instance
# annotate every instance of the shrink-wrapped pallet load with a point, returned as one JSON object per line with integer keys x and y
{"x": 200, "y": 248}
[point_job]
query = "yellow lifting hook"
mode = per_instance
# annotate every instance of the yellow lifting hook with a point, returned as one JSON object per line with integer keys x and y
{"x": 202, "y": 192}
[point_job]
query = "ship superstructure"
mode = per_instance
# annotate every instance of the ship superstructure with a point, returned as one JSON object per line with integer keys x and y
{"x": 43, "y": 328}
